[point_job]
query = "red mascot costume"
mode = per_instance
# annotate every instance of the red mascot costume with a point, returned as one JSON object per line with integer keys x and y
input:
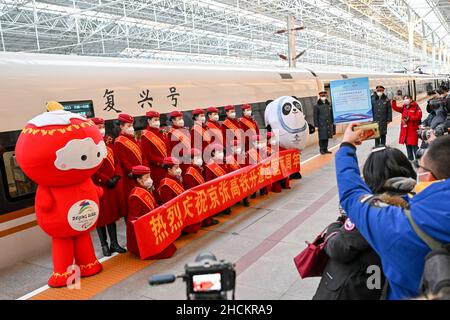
{"x": 60, "y": 151}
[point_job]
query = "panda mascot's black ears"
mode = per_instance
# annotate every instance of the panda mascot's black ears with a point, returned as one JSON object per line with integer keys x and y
{"x": 268, "y": 101}
{"x": 296, "y": 98}
{"x": 269, "y": 128}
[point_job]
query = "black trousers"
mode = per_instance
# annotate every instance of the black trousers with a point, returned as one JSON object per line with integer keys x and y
{"x": 323, "y": 144}
{"x": 380, "y": 140}
{"x": 412, "y": 150}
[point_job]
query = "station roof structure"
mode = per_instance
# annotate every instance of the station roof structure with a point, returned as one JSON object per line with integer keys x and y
{"x": 374, "y": 35}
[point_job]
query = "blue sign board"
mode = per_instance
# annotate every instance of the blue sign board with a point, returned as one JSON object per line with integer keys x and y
{"x": 351, "y": 100}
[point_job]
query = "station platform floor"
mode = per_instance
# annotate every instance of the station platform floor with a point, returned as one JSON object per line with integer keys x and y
{"x": 262, "y": 240}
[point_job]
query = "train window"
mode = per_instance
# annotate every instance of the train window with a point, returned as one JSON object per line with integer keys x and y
{"x": 85, "y": 108}
{"x": 17, "y": 183}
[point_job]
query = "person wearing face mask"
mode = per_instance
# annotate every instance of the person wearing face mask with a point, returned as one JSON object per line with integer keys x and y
{"x": 248, "y": 124}
{"x": 112, "y": 204}
{"x": 128, "y": 151}
{"x": 258, "y": 151}
{"x": 231, "y": 128}
{"x": 200, "y": 137}
{"x": 323, "y": 121}
{"x": 154, "y": 146}
{"x": 179, "y": 137}
{"x": 172, "y": 184}
{"x": 382, "y": 113}
{"x": 141, "y": 201}
{"x": 214, "y": 125}
{"x": 273, "y": 147}
{"x": 411, "y": 118}
{"x": 389, "y": 229}
{"x": 235, "y": 161}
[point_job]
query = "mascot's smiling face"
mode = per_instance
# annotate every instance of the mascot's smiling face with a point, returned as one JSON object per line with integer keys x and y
{"x": 285, "y": 114}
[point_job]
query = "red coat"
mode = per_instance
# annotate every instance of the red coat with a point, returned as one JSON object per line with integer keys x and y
{"x": 140, "y": 203}
{"x": 249, "y": 128}
{"x": 128, "y": 154}
{"x": 112, "y": 203}
{"x": 235, "y": 126}
{"x": 170, "y": 188}
{"x": 215, "y": 130}
{"x": 214, "y": 170}
{"x": 178, "y": 135}
{"x": 200, "y": 133}
{"x": 193, "y": 177}
{"x": 154, "y": 145}
{"x": 408, "y": 134}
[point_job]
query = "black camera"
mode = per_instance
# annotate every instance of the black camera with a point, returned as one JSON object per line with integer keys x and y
{"x": 425, "y": 133}
{"x": 206, "y": 278}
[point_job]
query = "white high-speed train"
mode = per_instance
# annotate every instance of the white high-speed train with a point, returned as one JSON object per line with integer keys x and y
{"x": 104, "y": 87}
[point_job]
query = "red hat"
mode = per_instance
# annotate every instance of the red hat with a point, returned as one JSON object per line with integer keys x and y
{"x": 246, "y": 106}
{"x": 229, "y": 107}
{"x": 212, "y": 110}
{"x": 98, "y": 120}
{"x": 175, "y": 114}
{"x": 152, "y": 114}
{"x": 123, "y": 117}
{"x": 171, "y": 161}
{"x": 140, "y": 170}
{"x": 195, "y": 152}
{"x": 197, "y": 112}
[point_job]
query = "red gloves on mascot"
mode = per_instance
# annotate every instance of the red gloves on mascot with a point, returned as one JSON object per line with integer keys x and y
{"x": 60, "y": 151}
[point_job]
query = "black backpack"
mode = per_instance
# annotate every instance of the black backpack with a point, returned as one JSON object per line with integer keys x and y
{"x": 435, "y": 282}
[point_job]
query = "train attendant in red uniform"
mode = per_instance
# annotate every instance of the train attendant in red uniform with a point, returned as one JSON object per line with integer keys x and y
{"x": 272, "y": 147}
{"x": 112, "y": 205}
{"x": 172, "y": 183}
{"x": 231, "y": 126}
{"x": 248, "y": 124}
{"x": 179, "y": 137}
{"x": 154, "y": 144}
{"x": 127, "y": 151}
{"x": 214, "y": 125}
{"x": 236, "y": 161}
{"x": 216, "y": 167}
{"x": 142, "y": 201}
{"x": 257, "y": 152}
{"x": 200, "y": 137}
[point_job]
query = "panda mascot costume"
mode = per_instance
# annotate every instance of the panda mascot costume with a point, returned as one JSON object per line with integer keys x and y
{"x": 285, "y": 116}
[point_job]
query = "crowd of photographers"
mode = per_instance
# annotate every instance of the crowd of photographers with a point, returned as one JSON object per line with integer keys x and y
{"x": 395, "y": 217}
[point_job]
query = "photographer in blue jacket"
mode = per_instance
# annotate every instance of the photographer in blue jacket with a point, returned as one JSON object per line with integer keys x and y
{"x": 386, "y": 227}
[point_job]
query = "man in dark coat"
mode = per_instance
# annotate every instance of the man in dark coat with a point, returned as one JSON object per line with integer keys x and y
{"x": 323, "y": 121}
{"x": 382, "y": 113}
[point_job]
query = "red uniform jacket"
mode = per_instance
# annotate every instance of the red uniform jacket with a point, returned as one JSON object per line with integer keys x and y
{"x": 154, "y": 146}
{"x": 200, "y": 133}
{"x": 128, "y": 154}
{"x": 233, "y": 125}
{"x": 193, "y": 177}
{"x": 215, "y": 130}
{"x": 408, "y": 134}
{"x": 214, "y": 170}
{"x": 140, "y": 202}
{"x": 112, "y": 203}
{"x": 249, "y": 128}
{"x": 276, "y": 187}
{"x": 232, "y": 163}
{"x": 251, "y": 158}
{"x": 170, "y": 188}
{"x": 175, "y": 136}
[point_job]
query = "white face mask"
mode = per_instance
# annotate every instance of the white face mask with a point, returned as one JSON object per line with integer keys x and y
{"x": 155, "y": 124}
{"x": 215, "y": 117}
{"x": 201, "y": 119}
{"x": 259, "y": 146}
{"x": 419, "y": 175}
{"x": 248, "y": 113}
{"x": 323, "y": 99}
{"x": 102, "y": 131}
{"x": 178, "y": 172}
{"x": 198, "y": 161}
{"x": 232, "y": 115}
{"x": 380, "y": 93}
{"x": 406, "y": 101}
{"x": 129, "y": 131}
{"x": 218, "y": 156}
{"x": 237, "y": 151}
{"x": 148, "y": 183}
{"x": 273, "y": 142}
{"x": 180, "y": 123}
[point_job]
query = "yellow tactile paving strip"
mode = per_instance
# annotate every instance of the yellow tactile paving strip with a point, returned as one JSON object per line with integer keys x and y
{"x": 125, "y": 265}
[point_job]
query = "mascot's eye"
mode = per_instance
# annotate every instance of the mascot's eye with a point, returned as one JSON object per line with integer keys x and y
{"x": 98, "y": 154}
{"x": 83, "y": 157}
{"x": 298, "y": 106}
{"x": 287, "y": 108}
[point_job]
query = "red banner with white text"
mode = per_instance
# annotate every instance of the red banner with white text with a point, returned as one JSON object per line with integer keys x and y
{"x": 162, "y": 226}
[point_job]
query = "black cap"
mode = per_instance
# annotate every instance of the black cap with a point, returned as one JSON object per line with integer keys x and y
{"x": 379, "y": 87}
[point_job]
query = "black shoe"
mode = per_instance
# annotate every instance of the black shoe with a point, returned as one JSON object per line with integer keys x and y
{"x": 246, "y": 202}
{"x": 253, "y": 196}
{"x": 322, "y": 152}
{"x": 328, "y": 151}
{"x": 106, "y": 251}
{"x": 116, "y": 248}
{"x": 227, "y": 211}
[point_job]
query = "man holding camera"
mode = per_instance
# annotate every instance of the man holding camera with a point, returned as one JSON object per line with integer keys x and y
{"x": 386, "y": 227}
